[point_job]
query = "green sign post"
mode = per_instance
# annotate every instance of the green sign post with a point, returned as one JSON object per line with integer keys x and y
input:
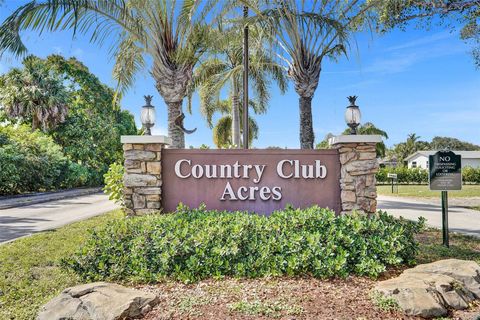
{"x": 445, "y": 173}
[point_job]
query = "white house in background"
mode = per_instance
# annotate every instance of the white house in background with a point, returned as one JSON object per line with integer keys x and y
{"x": 420, "y": 159}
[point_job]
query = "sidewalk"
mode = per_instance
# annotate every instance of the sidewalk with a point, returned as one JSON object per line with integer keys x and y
{"x": 15, "y": 201}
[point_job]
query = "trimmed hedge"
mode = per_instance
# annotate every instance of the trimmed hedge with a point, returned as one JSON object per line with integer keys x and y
{"x": 420, "y": 176}
{"x": 404, "y": 175}
{"x": 194, "y": 244}
{"x": 471, "y": 175}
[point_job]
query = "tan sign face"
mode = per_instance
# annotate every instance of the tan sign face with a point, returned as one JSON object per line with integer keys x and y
{"x": 252, "y": 180}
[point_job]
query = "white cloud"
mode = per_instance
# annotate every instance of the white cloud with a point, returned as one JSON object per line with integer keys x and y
{"x": 402, "y": 57}
{"x": 399, "y": 62}
{"x": 434, "y": 38}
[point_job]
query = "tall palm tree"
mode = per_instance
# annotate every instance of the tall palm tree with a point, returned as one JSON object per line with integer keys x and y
{"x": 171, "y": 33}
{"x": 223, "y": 67}
{"x": 307, "y": 32}
{"x": 34, "y": 94}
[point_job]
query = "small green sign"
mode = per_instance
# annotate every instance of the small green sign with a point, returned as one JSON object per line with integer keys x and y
{"x": 445, "y": 171}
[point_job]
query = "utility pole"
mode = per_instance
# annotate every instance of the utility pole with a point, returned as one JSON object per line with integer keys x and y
{"x": 245, "y": 81}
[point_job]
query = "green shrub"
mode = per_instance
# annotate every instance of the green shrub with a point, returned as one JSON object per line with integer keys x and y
{"x": 471, "y": 175}
{"x": 31, "y": 161}
{"x": 194, "y": 244}
{"x": 114, "y": 183}
{"x": 420, "y": 176}
{"x": 76, "y": 176}
{"x": 404, "y": 175}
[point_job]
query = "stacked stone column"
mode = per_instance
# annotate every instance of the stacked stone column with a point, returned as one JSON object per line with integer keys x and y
{"x": 358, "y": 167}
{"x": 143, "y": 173}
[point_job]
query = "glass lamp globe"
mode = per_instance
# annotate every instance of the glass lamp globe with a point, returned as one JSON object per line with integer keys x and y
{"x": 147, "y": 115}
{"x": 353, "y": 115}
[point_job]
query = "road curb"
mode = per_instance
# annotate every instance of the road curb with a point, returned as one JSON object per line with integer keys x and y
{"x": 26, "y": 200}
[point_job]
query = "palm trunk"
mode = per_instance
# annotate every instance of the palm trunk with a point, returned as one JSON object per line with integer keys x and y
{"x": 174, "y": 132}
{"x": 306, "y": 77}
{"x": 235, "y": 116}
{"x": 306, "y": 123}
{"x": 171, "y": 82}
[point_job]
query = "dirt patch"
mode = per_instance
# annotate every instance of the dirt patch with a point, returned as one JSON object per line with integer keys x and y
{"x": 276, "y": 298}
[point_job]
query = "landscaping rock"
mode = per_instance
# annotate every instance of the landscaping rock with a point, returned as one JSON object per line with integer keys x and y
{"x": 139, "y": 180}
{"x": 429, "y": 290}
{"x": 139, "y": 155}
{"x": 98, "y": 301}
{"x": 466, "y": 272}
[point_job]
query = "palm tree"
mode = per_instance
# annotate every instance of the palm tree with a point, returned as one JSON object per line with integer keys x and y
{"x": 413, "y": 144}
{"x": 172, "y": 34}
{"x": 222, "y": 130}
{"x": 370, "y": 128}
{"x": 306, "y": 33}
{"x": 224, "y": 68}
{"x": 34, "y": 94}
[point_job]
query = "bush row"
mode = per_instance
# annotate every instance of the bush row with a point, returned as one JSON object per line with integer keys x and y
{"x": 194, "y": 244}
{"x": 420, "y": 176}
{"x": 30, "y": 161}
{"x": 404, "y": 175}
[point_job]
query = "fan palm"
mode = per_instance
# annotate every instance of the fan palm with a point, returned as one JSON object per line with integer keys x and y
{"x": 224, "y": 68}
{"x": 222, "y": 130}
{"x": 306, "y": 33}
{"x": 170, "y": 33}
{"x": 34, "y": 94}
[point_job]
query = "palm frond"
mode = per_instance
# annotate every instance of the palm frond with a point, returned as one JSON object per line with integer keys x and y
{"x": 128, "y": 61}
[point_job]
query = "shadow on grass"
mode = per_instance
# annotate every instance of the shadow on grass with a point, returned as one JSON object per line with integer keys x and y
{"x": 461, "y": 247}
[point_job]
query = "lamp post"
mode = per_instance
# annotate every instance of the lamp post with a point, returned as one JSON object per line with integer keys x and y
{"x": 245, "y": 81}
{"x": 147, "y": 115}
{"x": 353, "y": 115}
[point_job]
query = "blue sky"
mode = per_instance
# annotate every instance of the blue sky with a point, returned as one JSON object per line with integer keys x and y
{"x": 413, "y": 81}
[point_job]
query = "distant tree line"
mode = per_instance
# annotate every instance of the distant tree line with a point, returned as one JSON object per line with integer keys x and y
{"x": 401, "y": 151}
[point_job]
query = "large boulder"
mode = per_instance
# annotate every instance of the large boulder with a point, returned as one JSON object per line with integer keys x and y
{"x": 98, "y": 301}
{"x": 429, "y": 290}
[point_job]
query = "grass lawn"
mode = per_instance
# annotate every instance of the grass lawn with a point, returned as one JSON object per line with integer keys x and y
{"x": 30, "y": 275}
{"x": 424, "y": 191}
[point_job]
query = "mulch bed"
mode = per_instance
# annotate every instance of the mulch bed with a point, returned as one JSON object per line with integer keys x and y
{"x": 275, "y": 298}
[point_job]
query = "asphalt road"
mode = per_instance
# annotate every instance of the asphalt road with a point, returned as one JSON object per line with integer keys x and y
{"x": 460, "y": 219}
{"x": 23, "y": 221}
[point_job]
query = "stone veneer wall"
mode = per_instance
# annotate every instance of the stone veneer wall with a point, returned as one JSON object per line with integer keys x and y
{"x": 143, "y": 174}
{"x": 358, "y": 184}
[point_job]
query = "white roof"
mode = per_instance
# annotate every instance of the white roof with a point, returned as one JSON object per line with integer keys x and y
{"x": 464, "y": 154}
